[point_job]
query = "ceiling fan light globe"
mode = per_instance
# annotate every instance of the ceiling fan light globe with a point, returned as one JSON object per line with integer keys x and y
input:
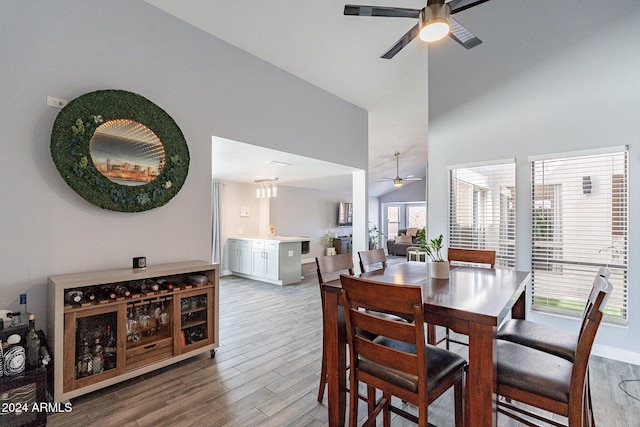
{"x": 434, "y": 22}
{"x": 397, "y": 182}
{"x": 434, "y": 31}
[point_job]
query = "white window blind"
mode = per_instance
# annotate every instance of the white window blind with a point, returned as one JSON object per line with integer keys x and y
{"x": 579, "y": 222}
{"x": 482, "y": 209}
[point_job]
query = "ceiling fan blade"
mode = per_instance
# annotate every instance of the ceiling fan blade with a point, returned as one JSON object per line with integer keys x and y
{"x": 461, "y": 35}
{"x": 392, "y": 12}
{"x": 412, "y": 179}
{"x": 405, "y": 40}
{"x": 460, "y": 5}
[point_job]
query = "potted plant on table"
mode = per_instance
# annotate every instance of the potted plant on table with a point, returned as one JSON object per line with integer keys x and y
{"x": 439, "y": 266}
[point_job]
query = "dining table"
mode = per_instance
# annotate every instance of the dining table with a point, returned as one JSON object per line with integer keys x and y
{"x": 473, "y": 301}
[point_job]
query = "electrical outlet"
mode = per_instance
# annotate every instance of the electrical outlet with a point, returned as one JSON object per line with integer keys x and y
{"x": 52, "y": 101}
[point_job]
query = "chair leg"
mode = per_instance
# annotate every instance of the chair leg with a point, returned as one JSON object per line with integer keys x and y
{"x": 431, "y": 334}
{"x": 386, "y": 413}
{"x": 371, "y": 399}
{"x": 353, "y": 403}
{"x": 447, "y": 338}
{"x": 458, "y": 403}
{"x": 589, "y": 402}
{"x": 323, "y": 375}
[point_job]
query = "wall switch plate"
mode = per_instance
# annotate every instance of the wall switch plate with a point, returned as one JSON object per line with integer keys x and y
{"x": 140, "y": 262}
{"x": 290, "y": 253}
{"x": 52, "y": 101}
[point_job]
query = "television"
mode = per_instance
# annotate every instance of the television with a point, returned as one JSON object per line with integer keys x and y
{"x": 345, "y": 214}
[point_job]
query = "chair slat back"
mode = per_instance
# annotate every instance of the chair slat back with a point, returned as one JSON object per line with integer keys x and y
{"x": 595, "y": 306}
{"x": 373, "y": 256}
{"x": 360, "y": 295}
{"x": 326, "y": 265}
{"x": 475, "y": 256}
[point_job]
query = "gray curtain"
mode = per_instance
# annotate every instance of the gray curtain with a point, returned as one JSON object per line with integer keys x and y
{"x": 216, "y": 246}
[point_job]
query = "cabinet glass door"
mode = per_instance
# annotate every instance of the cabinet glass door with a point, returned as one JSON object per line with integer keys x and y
{"x": 195, "y": 319}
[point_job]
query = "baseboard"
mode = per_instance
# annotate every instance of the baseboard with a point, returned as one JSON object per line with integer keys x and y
{"x": 616, "y": 354}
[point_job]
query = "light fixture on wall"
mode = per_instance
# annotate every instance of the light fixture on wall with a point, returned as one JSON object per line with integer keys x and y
{"x": 434, "y": 22}
{"x": 266, "y": 188}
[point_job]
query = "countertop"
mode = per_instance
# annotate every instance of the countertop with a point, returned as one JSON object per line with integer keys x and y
{"x": 276, "y": 239}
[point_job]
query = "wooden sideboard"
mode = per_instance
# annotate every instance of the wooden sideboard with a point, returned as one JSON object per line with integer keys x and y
{"x": 142, "y": 342}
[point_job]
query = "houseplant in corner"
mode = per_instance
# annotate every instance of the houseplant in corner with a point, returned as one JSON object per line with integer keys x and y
{"x": 375, "y": 236}
{"x": 439, "y": 266}
{"x": 327, "y": 241}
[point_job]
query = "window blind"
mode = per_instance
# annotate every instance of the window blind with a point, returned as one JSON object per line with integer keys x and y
{"x": 482, "y": 209}
{"x": 579, "y": 212}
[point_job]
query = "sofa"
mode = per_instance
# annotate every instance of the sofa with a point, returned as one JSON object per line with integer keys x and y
{"x": 406, "y": 238}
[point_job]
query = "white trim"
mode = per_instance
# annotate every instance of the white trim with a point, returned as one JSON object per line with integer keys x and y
{"x": 481, "y": 164}
{"x": 579, "y": 153}
{"x": 616, "y": 354}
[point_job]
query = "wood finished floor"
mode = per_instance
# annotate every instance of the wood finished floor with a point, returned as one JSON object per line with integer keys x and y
{"x": 266, "y": 373}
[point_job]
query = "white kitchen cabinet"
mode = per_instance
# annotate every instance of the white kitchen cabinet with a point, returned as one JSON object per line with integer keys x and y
{"x": 240, "y": 256}
{"x": 275, "y": 260}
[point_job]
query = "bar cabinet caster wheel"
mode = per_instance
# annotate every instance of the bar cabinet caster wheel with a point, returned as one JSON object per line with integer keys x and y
{"x": 213, "y": 353}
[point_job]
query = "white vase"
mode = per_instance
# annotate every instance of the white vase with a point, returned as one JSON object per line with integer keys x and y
{"x": 440, "y": 270}
{"x": 331, "y": 251}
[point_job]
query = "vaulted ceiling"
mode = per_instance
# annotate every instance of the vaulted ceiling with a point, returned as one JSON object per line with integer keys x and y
{"x": 341, "y": 54}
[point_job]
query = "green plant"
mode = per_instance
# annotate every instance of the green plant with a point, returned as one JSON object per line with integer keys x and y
{"x": 375, "y": 235}
{"x": 432, "y": 247}
{"x": 327, "y": 239}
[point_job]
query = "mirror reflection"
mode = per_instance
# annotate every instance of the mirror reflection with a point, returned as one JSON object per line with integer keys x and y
{"x": 127, "y": 152}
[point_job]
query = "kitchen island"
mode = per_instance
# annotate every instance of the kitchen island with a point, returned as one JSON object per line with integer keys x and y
{"x": 273, "y": 259}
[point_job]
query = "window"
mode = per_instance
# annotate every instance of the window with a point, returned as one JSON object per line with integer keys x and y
{"x": 404, "y": 215}
{"x": 578, "y": 223}
{"x": 416, "y": 216}
{"x": 482, "y": 209}
{"x": 393, "y": 220}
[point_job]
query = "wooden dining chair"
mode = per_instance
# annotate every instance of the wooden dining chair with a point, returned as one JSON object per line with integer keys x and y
{"x": 459, "y": 256}
{"x": 547, "y": 381}
{"x": 549, "y": 339}
{"x": 398, "y": 361}
{"x": 329, "y": 268}
{"x": 371, "y": 257}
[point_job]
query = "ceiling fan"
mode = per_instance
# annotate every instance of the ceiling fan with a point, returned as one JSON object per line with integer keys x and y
{"x": 434, "y": 22}
{"x": 397, "y": 181}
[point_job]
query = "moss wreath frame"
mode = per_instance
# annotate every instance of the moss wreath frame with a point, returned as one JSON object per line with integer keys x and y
{"x": 70, "y": 140}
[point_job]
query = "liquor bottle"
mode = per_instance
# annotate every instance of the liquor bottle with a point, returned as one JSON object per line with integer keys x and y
{"x": 73, "y": 296}
{"x": 90, "y": 295}
{"x": 85, "y": 361}
{"x": 165, "y": 284}
{"x": 14, "y": 357}
{"x": 122, "y": 291}
{"x": 108, "y": 292}
{"x": 45, "y": 357}
{"x": 98, "y": 357}
{"x": 109, "y": 349}
{"x": 153, "y": 286}
{"x": 138, "y": 286}
{"x": 32, "y": 345}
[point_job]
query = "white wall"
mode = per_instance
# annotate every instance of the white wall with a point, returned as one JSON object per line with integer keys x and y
{"x": 409, "y": 192}
{"x": 580, "y": 99}
{"x": 70, "y": 47}
{"x": 310, "y": 213}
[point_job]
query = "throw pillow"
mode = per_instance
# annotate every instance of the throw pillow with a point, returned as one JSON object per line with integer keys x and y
{"x": 404, "y": 239}
{"x": 412, "y": 231}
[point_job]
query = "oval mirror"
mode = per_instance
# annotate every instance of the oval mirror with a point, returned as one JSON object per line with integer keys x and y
{"x": 127, "y": 152}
